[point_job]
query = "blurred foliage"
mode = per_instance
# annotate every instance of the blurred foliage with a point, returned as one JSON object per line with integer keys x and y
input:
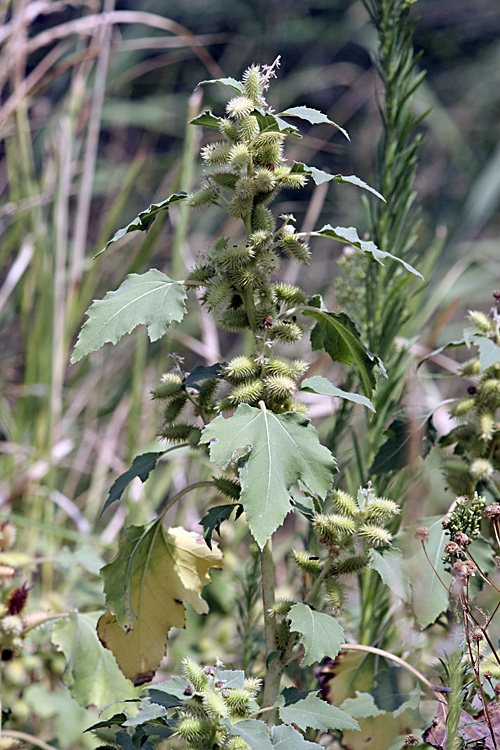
{"x": 87, "y": 139}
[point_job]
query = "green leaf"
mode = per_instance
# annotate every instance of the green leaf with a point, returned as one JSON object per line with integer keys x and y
{"x": 393, "y": 571}
{"x": 323, "y": 387}
{"x": 207, "y": 120}
{"x": 212, "y": 520}
{"x": 272, "y": 123}
{"x": 141, "y": 467}
{"x": 363, "y": 706}
{"x": 429, "y": 597}
{"x": 388, "y": 694}
{"x": 143, "y": 221}
{"x": 150, "y": 298}
{"x": 320, "y": 177}
{"x": 146, "y": 712}
{"x": 314, "y": 116}
{"x": 284, "y": 448}
{"x": 489, "y": 352}
{"x": 287, "y": 738}
{"x": 155, "y": 572}
{"x": 315, "y": 713}
{"x": 201, "y": 373}
{"x": 338, "y": 336}
{"x": 115, "y": 720}
{"x": 254, "y": 733}
{"x": 320, "y": 634}
{"x": 170, "y": 693}
{"x": 124, "y": 740}
{"x": 291, "y": 695}
{"x": 232, "y": 678}
{"x": 92, "y": 674}
{"x": 394, "y": 453}
{"x": 349, "y": 235}
{"x": 231, "y": 82}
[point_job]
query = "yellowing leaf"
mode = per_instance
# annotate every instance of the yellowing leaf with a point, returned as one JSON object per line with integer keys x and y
{"x": 155, "y": 572}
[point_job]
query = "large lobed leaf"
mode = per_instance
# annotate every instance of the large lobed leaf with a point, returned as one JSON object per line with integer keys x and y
{"x": 283, "y": 449}
{"x": 393, "y": 571}
{"x": 91, "y": 673}
{"x": 145, "y": 218}
{"x": 349, "y": 235}
{"x": 287, "y": 738}
{"x": 151, "y": 299}
{"x": 320, "y": 634}
{"x": 155, "y": 572}
{"x": 313, "y": 712}
{"x": 253, "y": 731}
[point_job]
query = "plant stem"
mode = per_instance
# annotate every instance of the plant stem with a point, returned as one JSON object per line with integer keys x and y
{"x": 275, "y": 667}
{"x": 175, "y": 498}
{"x": 25, "y": 737}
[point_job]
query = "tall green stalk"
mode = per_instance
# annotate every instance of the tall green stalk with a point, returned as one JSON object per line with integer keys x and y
{"x": 385, "y": 312}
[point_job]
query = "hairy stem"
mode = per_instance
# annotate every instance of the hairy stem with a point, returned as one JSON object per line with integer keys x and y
{"x": 273, "y": 668}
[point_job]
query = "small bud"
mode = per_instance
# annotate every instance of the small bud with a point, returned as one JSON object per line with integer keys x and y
{"x": 481, "y": 469}
{"x": 471, "y": 368}
{"x": 411, "y": 740}
{"x": 194, "y": 674}
{"x": 239, "y": 107}
{"x": 463, "y": 407}
{"x": 215, "y": 705}
{"x": 481, "y": 321}
{"x": 306, "y": 562}
{"x": 240, "y": 368}
{"x": 253, "y": 82}
{"x": 16, "y": 600}
{"x": 374, "y": 535}
{"x": 229, "y": 487}
{"x": 7, "y": 535}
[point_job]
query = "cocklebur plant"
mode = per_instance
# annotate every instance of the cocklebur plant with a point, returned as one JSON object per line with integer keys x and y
{"x": 247, "y": 416}
{"x": 475, "y": 463}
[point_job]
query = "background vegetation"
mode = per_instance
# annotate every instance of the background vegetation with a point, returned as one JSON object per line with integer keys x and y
{"x": 92, "y": 121}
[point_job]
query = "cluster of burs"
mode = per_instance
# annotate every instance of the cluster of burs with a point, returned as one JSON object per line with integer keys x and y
{"x": 348, "y": 533}
{"x": 476, "y": 460}
{"x": 243, "y": 172}
{"x": 210, "y": 705}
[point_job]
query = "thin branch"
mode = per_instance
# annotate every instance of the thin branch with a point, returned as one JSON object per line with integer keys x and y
{"x": 183, "y": 492}
{"x": 25, "y": 737}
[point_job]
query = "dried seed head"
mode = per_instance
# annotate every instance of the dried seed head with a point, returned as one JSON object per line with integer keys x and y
{"x": 462, "y": 569}
{"x": 477, "y": 635}
{"x": 16, "y": 600}
{"x": 492, "y": 510}
{"x": 462, "y": 539}
{"x": 451, "y": 548}
{"x": 422, "y": 534}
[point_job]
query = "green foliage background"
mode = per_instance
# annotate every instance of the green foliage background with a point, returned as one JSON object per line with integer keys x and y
{"x": 66, "y": 433}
